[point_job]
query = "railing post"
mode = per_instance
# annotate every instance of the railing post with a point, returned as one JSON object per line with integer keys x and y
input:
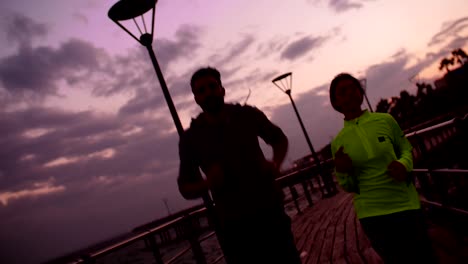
{"x": 306, "y": 193}
{"x": 155, "y": 249}
{"x": 424, "y": 180}
{"x": 319, "y": 182}
{"x": 295, "y": 195}
{"x": 193, "y": 233}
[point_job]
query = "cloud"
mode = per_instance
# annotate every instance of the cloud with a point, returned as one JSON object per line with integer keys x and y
{"x": 450, "y": 30}
{"x": 235, "y": 50}
{"x": 144, "y": 100}
{"x": 38, "y": 189}
{"x": 151, "y": 99}
{"x": 81, "y": 17}
{"x": 344, "y": 5}
{"x": 34, "y": 72}
{"x": 301, "y": 47}
{"x": 135, "y": 71}
{"x": 23, "y": 30}
{"x": 272, "y": 46}
{"x": 77, "y": 146}
{"x": 340, "y": 6}
{"x": 390, "y": 77}
{"x": 185, "y": 45}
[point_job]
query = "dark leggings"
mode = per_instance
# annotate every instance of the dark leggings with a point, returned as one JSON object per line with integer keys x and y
{"x": 400, "y": 237}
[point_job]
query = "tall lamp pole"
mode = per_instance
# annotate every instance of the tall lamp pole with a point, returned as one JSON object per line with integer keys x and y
{"x": 363, "y": 82}
{"x": 284, "y": 83}
{"x": 131, "y": 10}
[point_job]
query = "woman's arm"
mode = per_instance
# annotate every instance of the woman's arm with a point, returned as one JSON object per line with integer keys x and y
{"x": 343, "y": 168}
{"x": 401, "y": 145}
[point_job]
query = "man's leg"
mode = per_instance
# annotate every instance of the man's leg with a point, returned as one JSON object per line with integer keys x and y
{"x": 279, "y": 238}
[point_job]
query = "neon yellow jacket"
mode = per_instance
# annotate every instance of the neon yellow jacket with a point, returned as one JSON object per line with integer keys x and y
{"x": 373, "y": 141}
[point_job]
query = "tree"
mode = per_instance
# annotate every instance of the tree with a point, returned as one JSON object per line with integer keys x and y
{"x": 445, "y": 63}
{"x": 383, "y": 106}
{"x": 460, "y": 56}
{"x": 403, "y": 109}
{"x": 424, "y": 89}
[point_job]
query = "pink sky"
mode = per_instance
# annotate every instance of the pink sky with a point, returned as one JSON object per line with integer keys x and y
{"x": 87, "y": 146}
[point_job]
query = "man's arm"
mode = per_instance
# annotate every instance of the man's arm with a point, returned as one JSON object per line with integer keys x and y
{"x": 191, "y": 183}
{"x": 273, "y": 136}
{"x": 192, "y": 190}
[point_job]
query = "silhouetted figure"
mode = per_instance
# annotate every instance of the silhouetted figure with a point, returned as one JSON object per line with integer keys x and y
{"x": 223, "y": 142}
{"x": 372, "y": 159}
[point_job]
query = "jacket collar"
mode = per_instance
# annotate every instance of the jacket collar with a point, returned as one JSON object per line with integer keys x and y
{"x": 364, "y": 116}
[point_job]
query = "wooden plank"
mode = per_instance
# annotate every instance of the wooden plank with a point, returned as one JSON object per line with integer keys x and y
{"x": 339, "y": 247}
{"x": 363, "y": 241}
{"x": 352, "y": 252}
{"x": 330, "y": 235}
{"x": 315, "y": 217}
{"x": 365, "y": 247}
{"x": 308, "y": 221}
{"x": 315, "y": 243}
{"x": 371, "y": 256}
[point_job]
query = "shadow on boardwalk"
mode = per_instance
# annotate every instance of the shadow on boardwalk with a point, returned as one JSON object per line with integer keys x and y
{"x": 329, "y": 232}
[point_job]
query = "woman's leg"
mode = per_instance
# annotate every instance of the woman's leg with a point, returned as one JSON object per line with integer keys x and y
{"x": 400, "y": 237}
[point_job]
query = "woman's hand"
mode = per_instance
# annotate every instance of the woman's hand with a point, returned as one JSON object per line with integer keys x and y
{"x": 343, "y": 162}
{"x": 397, "y": 171}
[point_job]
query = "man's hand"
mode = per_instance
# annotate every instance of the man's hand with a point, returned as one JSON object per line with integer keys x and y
{"x": 343, "y": 162}
{"x": 272, "y": 167}
{"x": 214, "y": 176}
{"x": 397, "y": 171}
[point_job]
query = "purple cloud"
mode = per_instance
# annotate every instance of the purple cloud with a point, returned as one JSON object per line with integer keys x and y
{"x": 23, "y": 30}
{"x": 340, "y": 6}
{"x": 34, "y": 72}
{"x": 343, "y": 5}
{"x": 301, "y": 47}
{"x": 449, "y": 30}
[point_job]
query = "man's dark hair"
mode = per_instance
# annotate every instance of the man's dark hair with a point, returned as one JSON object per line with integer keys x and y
{"x": 208, "y": 71}
{"x": 341, "y": 77}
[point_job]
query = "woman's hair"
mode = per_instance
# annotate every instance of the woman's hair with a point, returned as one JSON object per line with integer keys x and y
{"x": 341, "y": 77}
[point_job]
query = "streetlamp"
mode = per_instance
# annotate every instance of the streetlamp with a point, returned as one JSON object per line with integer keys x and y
{"x": 363, "y": 82}
{"x": 284, "y": 83}
{"x": 132, "y": 9}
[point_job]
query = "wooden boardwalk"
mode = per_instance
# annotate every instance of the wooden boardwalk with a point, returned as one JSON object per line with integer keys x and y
{"x": 329, "y": 232}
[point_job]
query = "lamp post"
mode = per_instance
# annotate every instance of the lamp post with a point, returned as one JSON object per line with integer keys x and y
{"x": 131, "y": 10}
{"x": 284, "y": 83}
{"x": 363, "y": 82}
